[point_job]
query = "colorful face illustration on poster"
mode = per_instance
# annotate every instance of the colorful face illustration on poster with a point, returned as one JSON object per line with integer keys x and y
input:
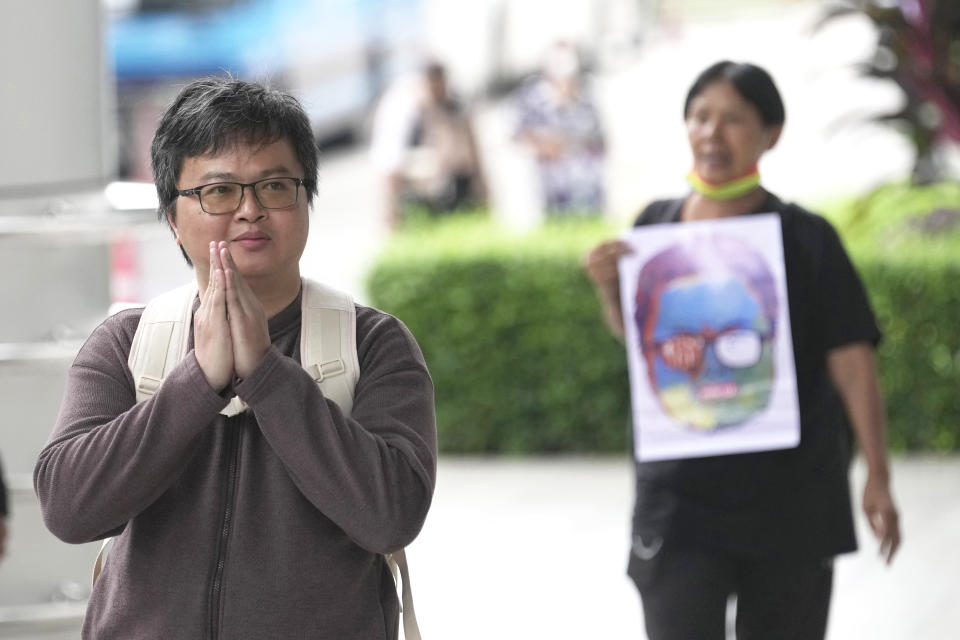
{"x": 706, "y": 316}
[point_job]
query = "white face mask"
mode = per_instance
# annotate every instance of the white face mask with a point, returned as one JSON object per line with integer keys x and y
{"x": 562, "y": 63}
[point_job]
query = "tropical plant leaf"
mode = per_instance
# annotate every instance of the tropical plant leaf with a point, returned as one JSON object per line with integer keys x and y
{"x": 925, "y": 40}
{"x": 830, "y": 14}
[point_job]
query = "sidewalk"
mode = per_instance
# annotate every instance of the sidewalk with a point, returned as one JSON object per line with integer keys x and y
{"x": 536, "y": 548}
{"x": 531, "y": 548}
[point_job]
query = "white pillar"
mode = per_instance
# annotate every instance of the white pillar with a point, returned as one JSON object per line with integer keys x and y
{"x": 56, "y": 108}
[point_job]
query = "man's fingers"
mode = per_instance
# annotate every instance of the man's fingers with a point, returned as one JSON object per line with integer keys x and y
{"x": 213, "y": 308}
{"x": 220, "y": 292}
{"x": 241, "y": 295}
{"x": 235, "y": 306}
{"x": 212, "y": 251}
{"x": 218, "y": 261}
{"x": 212, "y": 341}
{"x": 226, "y": 257}
{"x": 242, "y": 299}
{"x": 249, "y": 332}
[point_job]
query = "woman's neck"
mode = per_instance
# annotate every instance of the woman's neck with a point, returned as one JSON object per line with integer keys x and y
{"x": 699, "y": 207}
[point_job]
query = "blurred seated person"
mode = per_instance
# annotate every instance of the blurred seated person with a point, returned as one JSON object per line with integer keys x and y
{"x": 558, "y": 121}
{"x": 423, "y": 143}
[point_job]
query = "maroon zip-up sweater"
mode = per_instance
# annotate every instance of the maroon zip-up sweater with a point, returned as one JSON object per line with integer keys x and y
{"x": 269, "y": 524}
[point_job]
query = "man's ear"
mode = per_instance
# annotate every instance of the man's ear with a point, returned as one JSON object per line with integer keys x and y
{"x": 173, "y": 225}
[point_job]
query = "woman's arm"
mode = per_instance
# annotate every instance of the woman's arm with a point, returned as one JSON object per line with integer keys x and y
{"x": 853, "y": 370}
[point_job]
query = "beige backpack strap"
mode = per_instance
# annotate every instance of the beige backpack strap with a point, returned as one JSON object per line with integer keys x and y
{"x": 328, "y": 342}
{"x": 161, "y": 342}
{"x": 397, "y": 562}
{"x": 161, "y": 339}
{"x": 101, "y": 558}
{"x": 328, "y": 352}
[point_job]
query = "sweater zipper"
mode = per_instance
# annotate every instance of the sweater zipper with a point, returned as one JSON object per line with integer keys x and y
{"x": 233, "y": 435}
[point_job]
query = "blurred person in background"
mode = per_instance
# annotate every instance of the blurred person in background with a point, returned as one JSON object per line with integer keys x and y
{"x": 272, "y": 520}
{"x": 425, "y": 148}
{"x": 558, "y": 121}
{"x": 767, "y": 526}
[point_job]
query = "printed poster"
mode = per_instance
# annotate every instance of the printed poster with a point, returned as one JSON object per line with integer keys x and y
{"x": 708, "y": 338}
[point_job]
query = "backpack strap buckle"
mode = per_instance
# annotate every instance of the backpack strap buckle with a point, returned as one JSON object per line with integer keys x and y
{"x": 323, "y": 370}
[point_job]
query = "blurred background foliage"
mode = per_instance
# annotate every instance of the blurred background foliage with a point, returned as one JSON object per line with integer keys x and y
{"x": 523, "y": 363}
{"x": 511, "y": 331}
{"x": 918, "y": 48}
{"x": 905, "y": 240}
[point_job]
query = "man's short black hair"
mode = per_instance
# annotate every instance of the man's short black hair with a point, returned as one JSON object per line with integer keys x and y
{"x": 211, "y": 114}
{"x": 753, "y": 83}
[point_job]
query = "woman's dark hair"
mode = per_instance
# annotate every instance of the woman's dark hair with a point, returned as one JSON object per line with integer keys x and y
{"x": 753, "y": 83}
{"x": 211, "y": 114}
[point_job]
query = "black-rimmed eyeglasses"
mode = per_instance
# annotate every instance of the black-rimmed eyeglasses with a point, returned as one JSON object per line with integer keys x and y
{"x": 219, "y": 198}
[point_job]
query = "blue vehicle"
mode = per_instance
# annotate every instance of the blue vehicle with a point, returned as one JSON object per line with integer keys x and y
{"x": 336, "y": 55}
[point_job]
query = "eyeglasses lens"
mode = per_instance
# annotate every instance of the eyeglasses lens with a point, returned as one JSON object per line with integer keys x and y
{"x": 225, "y": 197}
{"x": 682, "y": 352}
{"x": 277, "y": 193}
{"x": 738, "y": 349}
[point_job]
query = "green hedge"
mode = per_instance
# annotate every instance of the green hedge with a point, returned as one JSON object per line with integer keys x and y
{"x": 510, "y": 328}
{"x": 522, "y": 362}
{"x": 917, "y": 303}
{"x": 905, "y": 241}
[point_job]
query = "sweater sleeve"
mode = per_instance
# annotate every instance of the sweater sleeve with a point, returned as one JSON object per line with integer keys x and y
{"x": 108, "y": 457}
{"x": 373, "y": 472}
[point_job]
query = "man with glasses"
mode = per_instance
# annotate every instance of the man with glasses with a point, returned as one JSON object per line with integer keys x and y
{"x": 271, "y": 521}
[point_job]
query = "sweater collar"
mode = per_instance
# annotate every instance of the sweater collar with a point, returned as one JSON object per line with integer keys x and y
{"x": 287, "y": 318}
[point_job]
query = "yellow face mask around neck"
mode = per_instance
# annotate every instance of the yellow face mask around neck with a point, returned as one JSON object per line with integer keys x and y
{"x": 726, "y": 191}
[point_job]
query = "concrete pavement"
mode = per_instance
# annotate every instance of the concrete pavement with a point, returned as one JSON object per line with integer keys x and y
{"x": 524, "y": 548}
{"x": 537, "y": 547}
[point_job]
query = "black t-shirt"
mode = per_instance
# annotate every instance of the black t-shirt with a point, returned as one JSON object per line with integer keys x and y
{"x": 786, "y": 503}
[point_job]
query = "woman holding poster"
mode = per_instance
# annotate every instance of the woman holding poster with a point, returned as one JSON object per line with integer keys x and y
{"x": 740, "y": 336}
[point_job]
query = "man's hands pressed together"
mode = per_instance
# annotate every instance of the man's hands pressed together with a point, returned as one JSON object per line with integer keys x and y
{"x": 230, "y": 327}
{"x": 212, "y": 343}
